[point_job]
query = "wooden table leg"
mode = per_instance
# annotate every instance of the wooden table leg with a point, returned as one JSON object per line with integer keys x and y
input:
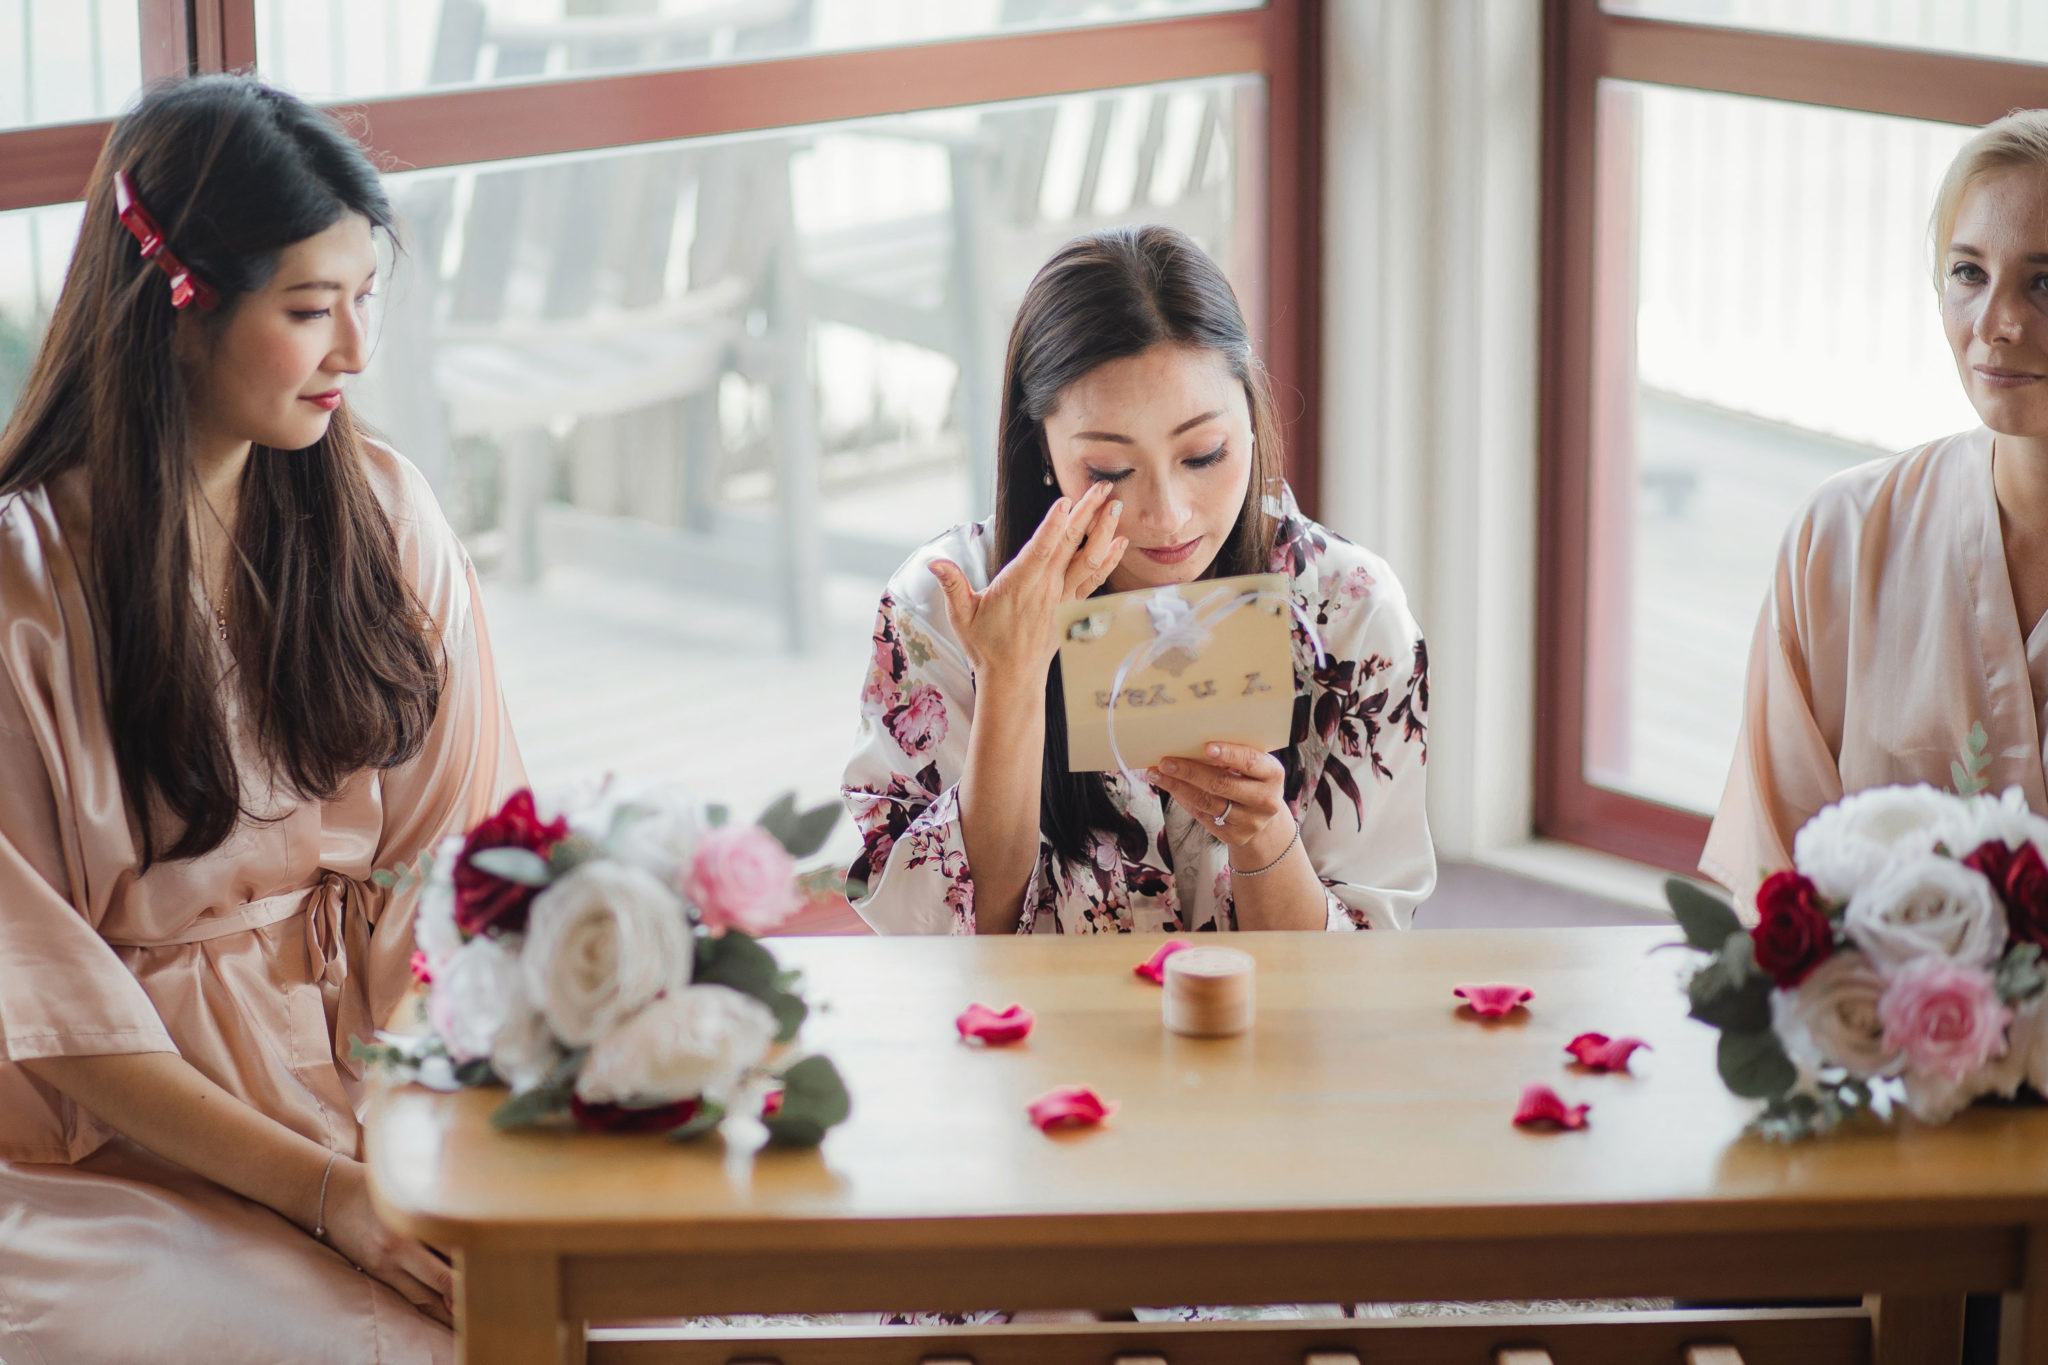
{"x": 2032, "y": 1342}
{"x": 508, "y": 1311}
{"x": 1919, "y": 1329}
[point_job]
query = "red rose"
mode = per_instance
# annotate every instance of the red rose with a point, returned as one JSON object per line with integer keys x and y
{"x": 619, "y": 1118}
{"x": 1792, "y": 935}
{"x": 484, "y": 901}
{"x": 2022, "y": 881}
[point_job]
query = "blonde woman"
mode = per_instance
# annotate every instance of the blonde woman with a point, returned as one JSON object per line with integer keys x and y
{"x": 1911, "y": 592}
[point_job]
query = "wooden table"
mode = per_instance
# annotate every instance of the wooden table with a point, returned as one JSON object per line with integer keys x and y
{"x": 1356, "y": 1145}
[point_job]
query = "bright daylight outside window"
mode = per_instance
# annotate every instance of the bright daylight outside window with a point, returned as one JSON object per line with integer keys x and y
{"x": 689, "y": 402}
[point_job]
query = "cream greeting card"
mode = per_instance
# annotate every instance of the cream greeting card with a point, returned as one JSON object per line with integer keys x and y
{"x": 1200, "y": 662}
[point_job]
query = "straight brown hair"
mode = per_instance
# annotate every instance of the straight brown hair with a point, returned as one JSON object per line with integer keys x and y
{"x": 332, "y": 649}
{"x": 1100, "y": 298}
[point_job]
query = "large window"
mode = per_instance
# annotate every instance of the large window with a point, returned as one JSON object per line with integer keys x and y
{"x": 1739, "y": 303}
{"x": 699, "y": 318}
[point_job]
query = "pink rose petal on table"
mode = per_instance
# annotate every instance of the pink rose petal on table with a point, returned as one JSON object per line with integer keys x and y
{"x": 1071, "y": 1106}
{"x": 1601, "y": 1053}
{"x": 1492, "y": 999}
{"x": 1540, "y": 1105}
{"x": 1153, "y": 968}
{"x": 995, "y": 1027}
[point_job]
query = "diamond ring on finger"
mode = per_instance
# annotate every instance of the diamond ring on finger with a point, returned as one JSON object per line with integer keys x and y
{"x": 1218, "y": 819}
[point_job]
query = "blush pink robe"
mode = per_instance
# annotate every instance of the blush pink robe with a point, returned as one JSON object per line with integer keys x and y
{"x": 1889, "y": 630}
{"x": 256, "y": 962}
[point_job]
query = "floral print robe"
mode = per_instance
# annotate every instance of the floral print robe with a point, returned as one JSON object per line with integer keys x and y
{"x": 1360, "y": 744}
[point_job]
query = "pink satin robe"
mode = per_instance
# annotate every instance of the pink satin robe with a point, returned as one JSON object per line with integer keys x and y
{"x": 1889, "y": 630}
{"x": 256, "y": 962}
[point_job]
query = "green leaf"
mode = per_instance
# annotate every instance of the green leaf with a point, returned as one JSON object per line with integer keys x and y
{"x": 812, "y": 1090}
{"x": 800, "y": 833}
{"x": 520, "y": 865}
{"x": 569, "y": 854}
{"x": 2020, "y": 978}
{"x": 1706, "y": 916}
{"x": 375, "y": 1054}
{"x": 709, "y": 1115}
{"x": 787, "y": 1131}
{"x": 1968, "y": 774}
{"x": 790, "y": 1012}
{"x": 1738, "y": 1006}
{"x": 1754, "y": 1065}
{"x": 383, "y": 878}
{"x": 531, "y": 1106}
{"x": 734, "y": 959}
{"x": 716, "y": 814}
{"x": 476, "y": 1071}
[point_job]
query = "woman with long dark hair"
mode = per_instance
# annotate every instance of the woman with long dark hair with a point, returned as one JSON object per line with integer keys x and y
{"x": 242, "y": 670}
{"x": 1137, "y": 448}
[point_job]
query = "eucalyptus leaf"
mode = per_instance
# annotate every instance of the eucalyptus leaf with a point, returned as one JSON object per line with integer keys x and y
{"x": 787, "y": 1131}
{"x": 716, "y": 814}
{"x": 1730, "y": 994}
{"x": 812, "y": 1089}
{"x": 476, "y": 1071}
{"x": 531, "y": 1106}
{"x": 571, "y": 853}
{"x": 509, "y": 863}
{"x": 1968, "y": 774}
{"x": 383, "y": 878}
{"x": 1754, "y": 1065}
{"x": 1707, "y": 918}
{"x": 801, "y": 833}
{"x": 790, "y": 1012}
{"x": 2020, "y": 978}
{"x": 734, "y": 959}
{"x": 708, "y": 1116}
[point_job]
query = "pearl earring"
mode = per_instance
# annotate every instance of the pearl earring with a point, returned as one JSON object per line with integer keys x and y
{"x": 1047, "y": 476}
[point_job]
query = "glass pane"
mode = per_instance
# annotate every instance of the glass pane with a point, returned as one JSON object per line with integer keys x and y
{"x": 66, "y": 60}
{"x": 686, "y": 402}
{"x": 35, "y": 251}
{"x": 1766, "y": 317}
{"x": 2016, "y": 29}
{"x": 335, "y": 49}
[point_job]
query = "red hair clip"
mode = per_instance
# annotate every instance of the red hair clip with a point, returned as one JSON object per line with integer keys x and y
{"x": 186, "y": 287}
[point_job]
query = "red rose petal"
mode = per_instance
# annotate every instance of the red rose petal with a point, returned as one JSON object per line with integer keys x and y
{"x": 1073, "y": 1106}
{"x": 1540, "y": 1105}
{"x": 1601, "y": 1053}
{"x": 771, "y": 1104}
{"x": 1153, "y": 968}
{"x": 620, "y": 1118}
{"x": 1492, "y": 999}
{"x": 995, "y": 1027}
{"x": 420, "y": 971}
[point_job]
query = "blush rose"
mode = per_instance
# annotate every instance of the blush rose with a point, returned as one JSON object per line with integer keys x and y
{"x": 1945, "y": 1017}
{"x": 740, "y": 877}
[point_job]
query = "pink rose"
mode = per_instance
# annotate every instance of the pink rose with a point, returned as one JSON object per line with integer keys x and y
{"x": 740, "y": 877}
{"x": 1945, "y": 1016}
{"x": 919, "y": 722}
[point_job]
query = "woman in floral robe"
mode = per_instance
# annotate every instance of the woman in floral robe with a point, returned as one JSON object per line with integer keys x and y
{"x": 1118, "y": 330}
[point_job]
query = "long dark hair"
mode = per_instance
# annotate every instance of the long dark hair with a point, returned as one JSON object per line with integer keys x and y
{"x": 333, "y": 656}
{"x": 1101, "y": 298}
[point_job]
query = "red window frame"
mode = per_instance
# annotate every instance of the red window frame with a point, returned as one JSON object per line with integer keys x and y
{"x": 1585, "y": 363}
{"x": 1282, "y": 41}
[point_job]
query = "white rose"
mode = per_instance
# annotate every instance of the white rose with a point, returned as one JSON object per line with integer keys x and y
{"x": 1924, "y": 903}
{"x": 433, "y": 926}
{"x": 474, "y": 992}
{"x": 701, "y": 1040}
{"x": 526, "y": 1050}
{"x": 600, "y": 943}
{"x": 1832, "y": 1020}
{"x": 1974, "y": 821}
{"x": 1847, "y": 843}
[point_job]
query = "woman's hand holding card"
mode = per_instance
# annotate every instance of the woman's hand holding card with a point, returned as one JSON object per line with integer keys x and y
{"x": 1008, "y": 628}
{"x": 1238, "y": 792}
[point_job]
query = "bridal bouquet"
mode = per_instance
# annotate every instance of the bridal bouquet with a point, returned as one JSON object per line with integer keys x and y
{"x": 1899, "y": 957}
{"x": 603, "y": 963}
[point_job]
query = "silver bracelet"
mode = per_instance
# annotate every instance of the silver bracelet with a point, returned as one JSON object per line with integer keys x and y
{"x": 1236, "y": 871}
{"x": 320, "y": 1217}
